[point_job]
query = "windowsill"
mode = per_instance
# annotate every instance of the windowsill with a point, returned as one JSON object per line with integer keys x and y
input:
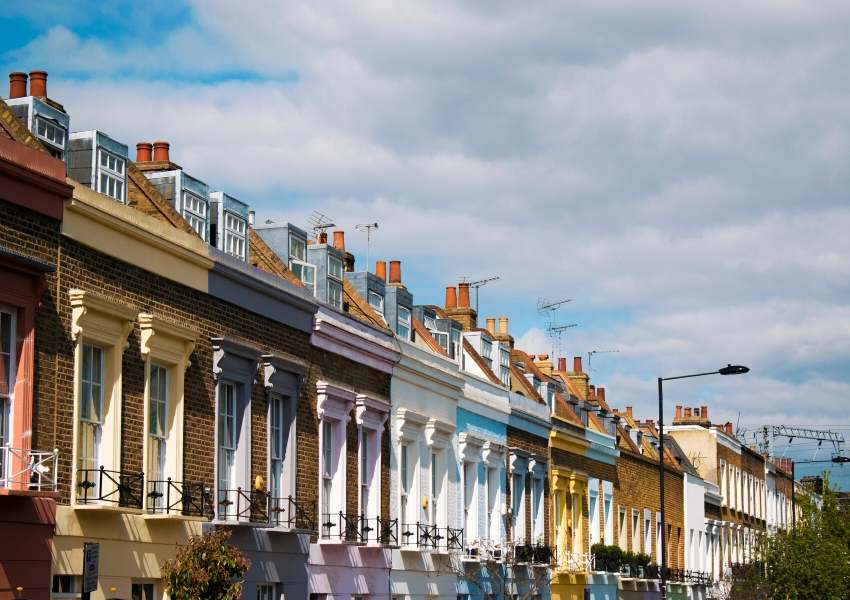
{"x": 108, "y": 508}
{"x": 236, "y": 523}
{"x": 284, "y": 529}
{"x": 334, "y": 542}
{"x": 169, "y": 517}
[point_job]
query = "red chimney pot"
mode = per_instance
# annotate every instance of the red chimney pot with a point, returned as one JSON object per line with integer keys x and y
{"x": 562, "y": 363}
{"x": 381, "y": 269}
{"x": 160, "y": 151}
{"x": 577, "y": 364}
{"x": 600, "y": 393}
{"x": 463, "y": 295}
{"x": 323, "y": 237}
{"x": 395, "y": 271}
{"x": 703, "y": 412}
{"x": 451, "y": 296}
{"x": 143, "y": 152}
{"x": 17, "y": 85}
{"x": 339, "y": 240}
{"x": 688, "y": 412}
{"x": 678, "y": 416}
{"x": 38, "y": 83}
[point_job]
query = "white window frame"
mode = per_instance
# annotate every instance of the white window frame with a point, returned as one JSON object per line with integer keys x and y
{"x": 7, "y": 399}
{"x": 376, "y": 301}
{"x": 99, "y": 322}
{"x": 658, "y": 526}
{"x": 111, "y": 180}
{"x": 608, "y": 512}
{"x": 335, "y": 260}
{"x": 518, "y": 506}
{"x": 168, "y": 346}
{"x": 635, "y": 524}
{"x": 49, "y": 126}
{"x": 335, "y": 292}
{"x": 593, "y": 510}
{"x": 622, "y": 527}
{"x": 404, "y": 323}
{"x": 198, "y": 218}
{"x": 235, "y": 235}
{"x": 647, "y": 531}
{"x": 334, "y": 406}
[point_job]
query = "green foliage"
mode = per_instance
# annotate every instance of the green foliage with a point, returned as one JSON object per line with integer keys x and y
{"x": 607, "y": 552}
{"x": 642, "y": 559}
{"x": 207, "y": 567}
{"x": 809, "y": 562}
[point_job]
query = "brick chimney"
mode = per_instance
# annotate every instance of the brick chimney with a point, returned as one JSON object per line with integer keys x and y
{"x": 503, "y": 334}
{"x": 629, "y": 411}
{"x": 451, "y": 296}
{"x": 381, "y": 269}
{"x": 339, "y": 240}
{"x": 562, "y": 363}
{"x": 577, "y": 364}
{"x": 491, "y": 325}
{"x": 503, "y": 326}
{"x": 728, "y": 428}
{"x": 38, "y": 83}
{"x": 703, "y": 412}
{"x": 144, "y": 152}
{"x": 579, "y": 378}
{"x": 395, "y": 271}
{"x": 678, "y": 417}
{"x": 160, "y": 151}
{"x": 688, "y": 413}
{"x": 17, "y": 85}
{"x": 463, "y": 313}
{"x": 543, "y": 363}
{"x": 600, "y": 394}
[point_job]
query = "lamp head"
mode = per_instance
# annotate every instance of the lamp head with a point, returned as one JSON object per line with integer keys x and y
{"x": 733, "y": 370}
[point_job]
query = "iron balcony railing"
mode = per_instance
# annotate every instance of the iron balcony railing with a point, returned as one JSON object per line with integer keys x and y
{"x": 119, "y": 488}
{"x": 379, "y": 531}
{"x": 169, "y": 497}
{"x": 292, "y": 514}
{"x": 431, "y": 537}
{"x": 343, "y": 527}
{"x": 574, "y": 562}
{"x": 25, "y": 469}
{"x": 243, "y": 506}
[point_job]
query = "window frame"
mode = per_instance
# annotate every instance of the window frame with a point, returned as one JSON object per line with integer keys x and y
{"x": 404, "y": 323}
{"x": 193, "y": 215}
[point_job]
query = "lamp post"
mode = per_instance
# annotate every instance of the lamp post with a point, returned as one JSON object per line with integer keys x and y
{"x": 727, "y": 370}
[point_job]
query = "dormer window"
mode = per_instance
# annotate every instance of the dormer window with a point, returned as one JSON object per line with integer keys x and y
{"x": 505, "y": 364}
{"x": 335, "y": 281}
{"x": 403, "y": 325}
{"x": 454, "y": 352}
{"x": 298, "y": 263}
{"x": 430, "y": 323}
{"x": 234, "y": 235}
{"x": 111, "y": 180}
{"x": 51, "y": 133}
{"x": 487, "y": 351}
{"x": 195, "y": 212}
{"x": 376, "y": 301}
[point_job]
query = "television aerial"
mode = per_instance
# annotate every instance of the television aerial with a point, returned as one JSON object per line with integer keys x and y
{"x": 367, "y": 227}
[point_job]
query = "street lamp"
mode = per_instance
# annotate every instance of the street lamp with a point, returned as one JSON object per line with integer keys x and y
{"x": 727, "y": 370}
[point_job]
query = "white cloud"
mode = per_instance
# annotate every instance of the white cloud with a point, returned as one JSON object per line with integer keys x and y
{"x": 679, "y": 169}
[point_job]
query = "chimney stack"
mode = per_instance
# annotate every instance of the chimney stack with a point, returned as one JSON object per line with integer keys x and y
{"x": 577, "y": 364}
{"x": 629, "y": 411}
{"x": 562, "y": 363}
{"x": 323, "y": 237}
{"x": 17, "y": 85}
{"x": 703, "y": 412}
{"x": 463, "y": 295}
{"x": 160, "y": 151}
{"x": 591, "y": 392}
{"x": 339, "y": 240}
{"x": 38, "y": 83}
{"x": 600, "y": 394}
{"x": 491, "y": 325}
{"x": 678, "y": 416}
{"x": 451, "y": 296}
{"x": 381, "y": 269}
{"x": 395, "y": 271}
{"x": 143, "y": 152}
{"x": 688, "y": 413}
{"x": 503, "y": 326}
{"x": 728, "y": 428}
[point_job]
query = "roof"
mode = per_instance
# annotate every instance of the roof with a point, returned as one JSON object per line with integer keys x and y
{"x": 565, "y": 411}
{"x": 479, "y": 360}
{"x": 529, "y": 364}
{"x": 425, "y": 335}
{"x": 522, "y": 382}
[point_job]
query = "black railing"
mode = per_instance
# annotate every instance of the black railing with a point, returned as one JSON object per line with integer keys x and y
{"x": 169, "y": 497}
{"x": 112, "y": 487}
{"x": 431, "y": 537}
{"x": 342, "y": 526}
{"x": 251, "y": 506}
{"x": 379, "y": 531}
{"x": 293, "y": 514}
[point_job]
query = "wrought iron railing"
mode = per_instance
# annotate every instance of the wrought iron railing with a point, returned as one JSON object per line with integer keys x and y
{"x": 100, "y": 486}
{"x": 27, "y": 469}
{"x": 169, "y": 497}
{"x": 342, "y": 526}
{"x": 290, "y": 513}
{"x": 379, "y": 531}
{"x": 574, "y": 562}
{"x": 431, "y": 537}
{"x": 245, "y": 506}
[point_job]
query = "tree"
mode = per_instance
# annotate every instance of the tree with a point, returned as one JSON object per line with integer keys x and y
{"x": 808, "y": 562}
{"x": 207, "y": 567}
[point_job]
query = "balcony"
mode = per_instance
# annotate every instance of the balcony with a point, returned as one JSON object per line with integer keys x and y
{"x": 287, "y": 513}
{"x": 423, "y": 536}
{"x": 241, "y": 506}
{"x": 103, "y": 488}
{"x": 24, "y": 471}
{"x": 378, "y": 531}
{"x": 574, "y": 562}
{"x": 179, "y": 499}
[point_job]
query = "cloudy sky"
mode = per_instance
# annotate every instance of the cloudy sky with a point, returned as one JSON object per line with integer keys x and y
{"x": 679, "y": 170}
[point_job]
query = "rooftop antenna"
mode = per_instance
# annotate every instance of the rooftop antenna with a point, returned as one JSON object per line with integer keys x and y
{"x": 556, "y": 332}
{"x": 478, "y": 284}
{"x": 320, "y": 223}
{"x": 593, "y": 353}
{"x": 367, "y": 227}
